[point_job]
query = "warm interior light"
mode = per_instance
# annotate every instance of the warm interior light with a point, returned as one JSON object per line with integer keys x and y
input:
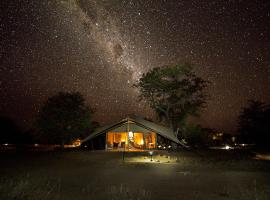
{"x": 76, "y": 143}
{"x": 136, "y": 140}
{"x": 130, "y": 134}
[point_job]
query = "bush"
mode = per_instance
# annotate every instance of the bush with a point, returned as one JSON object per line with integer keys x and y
{"x": 195, "y": 135}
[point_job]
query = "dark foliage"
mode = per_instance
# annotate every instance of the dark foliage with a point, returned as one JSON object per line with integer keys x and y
{"x": 254, "y": 121}
{"x": 196, "y": 136}
{"x": 10, "y": 133}
{"x": 64, "y": 117}
{"x": 174, "y": 92}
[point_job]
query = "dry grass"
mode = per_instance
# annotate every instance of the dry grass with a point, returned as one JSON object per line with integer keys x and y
{"x": 104, "y": 176}
{"x": 27, "y": 188}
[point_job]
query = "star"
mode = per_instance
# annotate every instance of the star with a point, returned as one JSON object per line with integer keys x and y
{"x": 101, "y": 48}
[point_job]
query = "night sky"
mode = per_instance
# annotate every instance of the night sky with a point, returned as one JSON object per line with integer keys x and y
{"x": 101, "y": 47}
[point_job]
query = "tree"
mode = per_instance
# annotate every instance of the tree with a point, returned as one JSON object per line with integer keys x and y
{"x": 196, "y": 136}
{"x": 10, "y": 133}
{"x": 253, "y": 124}
{"x": 174, "y": 92}
{"x": 64, "y": 117}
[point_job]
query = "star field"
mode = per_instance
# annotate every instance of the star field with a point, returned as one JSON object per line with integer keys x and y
{"x": 101, "y": 47}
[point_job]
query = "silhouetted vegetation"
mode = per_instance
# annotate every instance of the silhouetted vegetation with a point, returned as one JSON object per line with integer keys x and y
{"x": 196, "y": 136}
{"x": 254, "y": 121}
{"x": 174, "y": 92}
{"x": 64, "y": 117}
{"x": 11, "y": 133}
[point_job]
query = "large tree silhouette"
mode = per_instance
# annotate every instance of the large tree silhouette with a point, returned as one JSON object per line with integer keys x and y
{"x": 254, "y": 121}
{"x": 10, "y": 133}
{"x": 64, "y": 117}
{"x": 174, "y": 92}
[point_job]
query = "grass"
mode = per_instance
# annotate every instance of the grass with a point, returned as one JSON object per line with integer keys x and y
{"x": 24, "y": 188}
{"x": 100, "y": 175}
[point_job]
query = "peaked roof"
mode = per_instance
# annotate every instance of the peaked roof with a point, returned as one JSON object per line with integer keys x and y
{"x": 139, "y": 121}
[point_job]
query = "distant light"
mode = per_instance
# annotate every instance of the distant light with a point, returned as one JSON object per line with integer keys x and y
{"x": 85, "y": 146}
{"x": 169, "y": 146}
{"x": 159, "y": 146}
{"x": 164, "y": 147}
{"x": 76, "y": 143}
{"x": 227, "y": 147}
{"x": 35, "y": 145}
{"x": 5, "y": 144}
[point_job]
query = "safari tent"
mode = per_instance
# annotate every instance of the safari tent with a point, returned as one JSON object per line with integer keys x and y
{"x": 132, "y": 133}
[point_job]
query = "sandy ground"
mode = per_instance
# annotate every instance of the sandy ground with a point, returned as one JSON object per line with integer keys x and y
{"x": 103, "y": 175}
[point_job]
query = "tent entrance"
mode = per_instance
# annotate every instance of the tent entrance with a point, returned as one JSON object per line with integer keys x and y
{"x": 130, "y": 141}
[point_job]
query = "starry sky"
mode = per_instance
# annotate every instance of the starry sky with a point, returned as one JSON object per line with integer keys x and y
{"x": 101, "y": 47}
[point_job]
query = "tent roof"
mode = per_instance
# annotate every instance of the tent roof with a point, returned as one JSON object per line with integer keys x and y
{"x": 139, "y": 121}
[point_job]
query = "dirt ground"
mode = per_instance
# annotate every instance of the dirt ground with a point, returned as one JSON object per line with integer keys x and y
{"x": 184, "y": 175}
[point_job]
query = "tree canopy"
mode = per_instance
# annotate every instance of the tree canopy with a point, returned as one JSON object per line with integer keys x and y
{"x": 64, "y": 117}
{"x": 253, "y": 125}
{"x": 196, "y": 136}
{"x": 174, "y": 92}
{"x": 11, "y": 133}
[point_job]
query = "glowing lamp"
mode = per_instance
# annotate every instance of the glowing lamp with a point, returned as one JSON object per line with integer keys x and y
{"x": 151, "y": 154}
{"x": 130, "y": 134}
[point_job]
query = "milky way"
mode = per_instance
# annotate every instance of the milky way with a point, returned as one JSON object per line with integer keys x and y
{"x": 101, "y": 47}
{"x": 103, "y": 29}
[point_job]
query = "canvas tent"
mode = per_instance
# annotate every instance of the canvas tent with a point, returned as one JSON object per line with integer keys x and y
{"x": 132, "y": 133}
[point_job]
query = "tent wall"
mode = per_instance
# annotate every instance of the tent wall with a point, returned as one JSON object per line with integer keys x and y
{"x": 130, "y": 140}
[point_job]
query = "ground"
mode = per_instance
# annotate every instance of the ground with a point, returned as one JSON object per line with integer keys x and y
{"x": 184, "y": 175}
